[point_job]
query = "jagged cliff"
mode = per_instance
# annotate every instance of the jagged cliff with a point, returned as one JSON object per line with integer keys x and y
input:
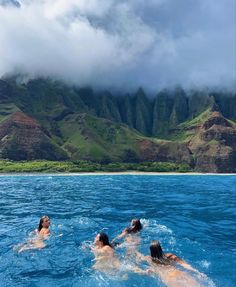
{"x": 211, "y": 138}
{"x": 214, "y": 144}
{"x": 49, "y": 120}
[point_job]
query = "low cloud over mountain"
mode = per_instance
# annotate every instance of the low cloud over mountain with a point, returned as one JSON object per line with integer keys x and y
{"x": 108, "y": 43}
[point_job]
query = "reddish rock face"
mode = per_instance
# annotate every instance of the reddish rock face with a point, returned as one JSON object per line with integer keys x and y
{"x": 214, "y": 146}
{"x": 165, "y": 151}
{"x": 21, "y": 119}
{"x": 226, "y": 136}
{"x": 22, "y": 138}
{"x": 211, "y": 149}
{"x": 216, "y": 119}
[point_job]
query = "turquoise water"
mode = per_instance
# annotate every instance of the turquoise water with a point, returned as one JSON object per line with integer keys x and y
{"x": 192, "y": 216}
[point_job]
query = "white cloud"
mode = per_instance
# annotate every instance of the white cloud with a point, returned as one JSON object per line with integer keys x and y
{"x": 121, "y": 43}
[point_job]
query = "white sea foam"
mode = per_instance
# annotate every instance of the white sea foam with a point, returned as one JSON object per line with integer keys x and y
{"x": 85, "y": 221}
{"x": 205, "y": 264}
{"x": 155, "y": 226}
{"x": 172, "y": 241}
{"x": 207, "y": 282}
{"x": 164, "y": 229}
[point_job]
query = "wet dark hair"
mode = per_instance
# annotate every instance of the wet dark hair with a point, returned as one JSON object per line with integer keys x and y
{"x": 136, "y": 226}
{"x": 156, "y": 250}
{"x": 41, "y": 222}
{"x": 157, "y": 254}
{"x": 104, "y": 239}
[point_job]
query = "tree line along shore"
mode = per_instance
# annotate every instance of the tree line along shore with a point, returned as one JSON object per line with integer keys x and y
{"x": 88, "y": 166}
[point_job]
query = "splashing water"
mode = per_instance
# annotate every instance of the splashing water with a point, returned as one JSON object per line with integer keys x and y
{"x": 192, "y": 216}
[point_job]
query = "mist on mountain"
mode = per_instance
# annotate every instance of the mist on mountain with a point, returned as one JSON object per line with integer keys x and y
{"x": 121, "y": 44}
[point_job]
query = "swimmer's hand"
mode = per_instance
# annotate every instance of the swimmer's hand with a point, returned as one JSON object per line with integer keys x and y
{"x": 114, "y": 243}
{"x": 87, "y": 245}
{"x": 93, "y": 248}
{"x": 150, "y": 271}
{"x": 143, "y": 272}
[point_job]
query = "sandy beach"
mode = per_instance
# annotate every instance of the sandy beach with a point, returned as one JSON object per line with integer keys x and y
{"x": 115, "y": 173}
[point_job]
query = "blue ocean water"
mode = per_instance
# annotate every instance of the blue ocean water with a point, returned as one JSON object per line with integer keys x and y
{"x": 192, "y": 216}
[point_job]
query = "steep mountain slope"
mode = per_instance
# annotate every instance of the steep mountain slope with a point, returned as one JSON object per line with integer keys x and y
{"x": 97, "y": 139}
{"x": 91, "y": 138}
{"x": 214, "y": 145}
{"x": 48, "y": 100}
{"x": 44, "y": 119}
{"x": 212, "y": 141}
{"x": 85, "y": 137}
{"x": 21, "y": 137}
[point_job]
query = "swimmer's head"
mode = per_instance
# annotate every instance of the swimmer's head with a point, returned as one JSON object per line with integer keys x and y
{"x": 156, "y": 250}
{"x": 135, "y": 225}
{"x": 102, "y": 239}
{"x": 44, "y": 222}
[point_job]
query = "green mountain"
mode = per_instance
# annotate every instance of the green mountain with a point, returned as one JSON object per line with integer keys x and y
{"x": 47, "y": 119}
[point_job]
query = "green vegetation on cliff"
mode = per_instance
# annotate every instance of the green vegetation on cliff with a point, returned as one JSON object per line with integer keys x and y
{"x": 49, "y": 101}
{"x": 48, "y": 120}
{"x": 97, "y": 139}
{"x": 86, "y": 166}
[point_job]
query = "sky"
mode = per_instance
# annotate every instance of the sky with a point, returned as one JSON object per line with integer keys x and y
{"x": 121, "y": 44}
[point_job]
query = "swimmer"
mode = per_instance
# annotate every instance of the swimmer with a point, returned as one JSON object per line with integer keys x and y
{"x": 107, "y": 261}
{"x": 105, "y": 257}
{"x": 163, "y": 264}
{"x": 43, "y": 228}
{"x": 131, "y": 234}
{"x": 42, "y": 233}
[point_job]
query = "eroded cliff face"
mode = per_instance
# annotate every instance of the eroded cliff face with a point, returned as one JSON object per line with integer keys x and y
{"x": 214, "y": 145}
{"x": 49, "y": 120}
{"x": 165, "y": 151}
{"x": 152, "y": 116}
{"x": 22, "y": 138}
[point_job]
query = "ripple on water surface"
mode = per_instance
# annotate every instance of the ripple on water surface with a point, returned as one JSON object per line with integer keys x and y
{"x": 192, "y": 216}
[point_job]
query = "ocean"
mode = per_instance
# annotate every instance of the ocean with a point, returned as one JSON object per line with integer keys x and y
{"x": 193, "y": 216}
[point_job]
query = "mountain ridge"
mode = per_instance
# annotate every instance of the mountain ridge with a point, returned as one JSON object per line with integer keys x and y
{"x": 77, "y": 123}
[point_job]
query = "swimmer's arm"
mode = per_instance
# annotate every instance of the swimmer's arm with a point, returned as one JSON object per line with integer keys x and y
{"x": 181, "y": 262}
{"x": 123, "y": 234}
{"x": 141, "y": 271}
{"x": 140, "y": 257}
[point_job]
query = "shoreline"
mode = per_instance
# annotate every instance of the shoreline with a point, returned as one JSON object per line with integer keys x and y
{"x": 113, "y": 173}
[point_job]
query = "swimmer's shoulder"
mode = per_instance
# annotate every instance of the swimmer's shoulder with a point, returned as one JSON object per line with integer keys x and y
{"x": 108, "y": 249}
{"x": 172, "y": 257}
{"x": 44, "y": 231}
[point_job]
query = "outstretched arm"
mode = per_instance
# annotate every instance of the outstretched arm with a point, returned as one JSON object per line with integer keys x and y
{"x": 123, "y": 234}
{"x": 141, "y": 271}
